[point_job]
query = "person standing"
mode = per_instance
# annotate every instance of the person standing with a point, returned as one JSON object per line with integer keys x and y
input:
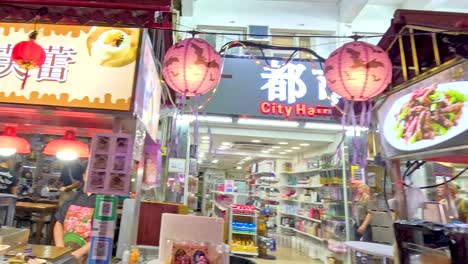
{"x": 459, "y": 204}
{"x": 8, "y": 180}
{"x": 71, "y": 178}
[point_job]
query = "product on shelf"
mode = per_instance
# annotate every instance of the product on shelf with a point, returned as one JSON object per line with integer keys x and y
{"x": 241, "y": 227}
{"x": 244, "y": 246}
{"x": 243, "y": 209}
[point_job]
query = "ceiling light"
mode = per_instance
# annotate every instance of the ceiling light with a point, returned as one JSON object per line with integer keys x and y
{"x": 205, "y": 142}
{"x": 324, "y": 126}
{"x": 226, "y": 144}
{"x": 11, "y": 144}
{"x": 247, "y": 158}
{"x": 256, "y": 141}
{"x": 209, "y": 119}
{"x": 215, "y": 161}
{"x": 304, "y": 144}
{"x": 205, "y": 138}
{"x": 288, "y": 150}
{"x": 295, "y": 148}
{"x": 276, "y": 147}
{"x": 271, "y": 150}
{"x": 282, "y": 152}
{"x": 283, "y": 143}
{"x": 238, "y": 168}
{"x": 265, "y": 151}
{"x": 265, "y": 122}
{"x": 240, "y": 162}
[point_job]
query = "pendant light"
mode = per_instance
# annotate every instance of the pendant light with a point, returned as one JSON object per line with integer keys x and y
{"x": 11, "y": 144}
{"x": 67, "y": 148}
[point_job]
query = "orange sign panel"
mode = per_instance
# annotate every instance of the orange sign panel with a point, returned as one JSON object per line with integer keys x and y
{"x": 85, "y": 67}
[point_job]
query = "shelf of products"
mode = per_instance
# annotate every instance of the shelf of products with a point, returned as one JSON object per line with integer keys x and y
{"x": 243, "y": 230}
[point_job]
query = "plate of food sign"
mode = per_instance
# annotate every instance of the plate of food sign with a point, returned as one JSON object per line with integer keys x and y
{"x": 428, "y": 116}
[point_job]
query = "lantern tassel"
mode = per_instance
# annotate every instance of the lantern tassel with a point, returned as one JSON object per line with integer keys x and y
{"x": 24, "y": 80}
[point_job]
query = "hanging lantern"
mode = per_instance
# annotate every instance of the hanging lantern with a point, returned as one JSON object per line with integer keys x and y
{"x": 358, "y": 71}
{"x": 67, "y": 148}
{"x": 11, "y": 144}
{"x": 28, "y": 55}
{"x": 192, "y": 67}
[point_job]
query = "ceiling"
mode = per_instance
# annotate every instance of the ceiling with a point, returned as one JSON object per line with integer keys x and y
{"x": 234, "y": 146}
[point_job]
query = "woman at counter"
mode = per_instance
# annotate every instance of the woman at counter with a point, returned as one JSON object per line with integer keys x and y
{"x": 73, "y": 227}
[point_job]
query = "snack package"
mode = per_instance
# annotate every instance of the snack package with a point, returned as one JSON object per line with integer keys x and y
{"x": 180, "y": 253}
{"x": 199, "y": 254}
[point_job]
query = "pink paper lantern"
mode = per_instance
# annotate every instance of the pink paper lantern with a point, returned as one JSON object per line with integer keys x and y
{"x": 358, "y": 71}
{"x": 192, "y": 67}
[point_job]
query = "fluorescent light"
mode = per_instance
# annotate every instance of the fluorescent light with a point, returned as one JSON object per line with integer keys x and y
{"x": 323, "y": 126}
{"x": 212, "y": 119}
{"x": 247, "y": 158}
{"x": 295, "y": 148}
{"x": 271, "y": 150}
{"x": 265, "y": 122}
{"x": 283, "y": 143}
{"x": 238, "y": 168}
{"x": 265, "y": 151}
{"x": 304, "y": 144}
{"x": 215, "y": 161}
{"x": 240, "y": 162}
{"x": 282, "y": 152}
{"x": 256, "y": 141}
{"x": 228, "y": 144}
{"x": 288, "y": 150}
{"x": 206, "y": 138}
{"x": 205, "y": 142}
{"x": 276, "y": 147}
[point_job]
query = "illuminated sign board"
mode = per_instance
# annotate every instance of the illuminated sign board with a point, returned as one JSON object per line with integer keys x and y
{"x": 85, "y": 66}
{"x": 296, "y": 90}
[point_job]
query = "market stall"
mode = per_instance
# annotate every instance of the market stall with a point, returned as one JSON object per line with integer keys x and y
{"x": 423, "y": 126}
{"x": 91, "y": 104}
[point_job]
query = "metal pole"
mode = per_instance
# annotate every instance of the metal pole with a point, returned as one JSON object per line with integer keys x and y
{"x": 345, "y": 196}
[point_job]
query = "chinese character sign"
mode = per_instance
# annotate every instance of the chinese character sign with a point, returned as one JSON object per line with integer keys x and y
{"x": 87, "y": 67}
{"x": 284, "y": 84}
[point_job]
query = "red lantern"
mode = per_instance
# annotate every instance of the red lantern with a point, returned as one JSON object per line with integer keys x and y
{"x": 358, "y": 71}
{"x": 11, "y": 144}
{"x": 67, "y": 148}
{"x": 28, "y": 55}
{"x": 192, "y": 67}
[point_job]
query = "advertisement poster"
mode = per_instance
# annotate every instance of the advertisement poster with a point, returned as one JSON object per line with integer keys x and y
{"x": 428, "y": 115}
{"x": 110, "y": 164}
{"x": 85, "y": 66}
{"x": 148, "y": 85}
{"x": 229, "y": 185}
{"x": 176, "y": 165}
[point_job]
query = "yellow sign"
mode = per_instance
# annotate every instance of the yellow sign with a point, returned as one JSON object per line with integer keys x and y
{"x": 86, "y": 67}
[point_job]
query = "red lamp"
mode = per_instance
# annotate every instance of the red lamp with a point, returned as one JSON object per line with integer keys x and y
{"x": 28, "y": 55}
{"x": 67, "y": 148}
{"x": 11, "y": 144}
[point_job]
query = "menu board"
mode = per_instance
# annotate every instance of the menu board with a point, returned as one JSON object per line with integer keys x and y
{"x": 426, "y": 116}
{"x": 109, "y": 167}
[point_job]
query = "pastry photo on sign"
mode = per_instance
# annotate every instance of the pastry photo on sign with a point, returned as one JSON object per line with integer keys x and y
{"x": 100, "y": 161}
{"x": 103, "y": 144}
{"x": 97, "y": 179}
{"x": 113, "y": 47}
{"x": 117, "y": 181}
{"x": 121, "y": 145}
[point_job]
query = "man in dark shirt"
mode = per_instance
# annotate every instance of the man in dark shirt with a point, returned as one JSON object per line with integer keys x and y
{"x": 8, "y": 181}
{"x": 74, "y": 223}
{"x": 71, "y": 178}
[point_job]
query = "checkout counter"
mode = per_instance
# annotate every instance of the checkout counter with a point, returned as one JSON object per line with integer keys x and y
{"x": 14, "y": 241}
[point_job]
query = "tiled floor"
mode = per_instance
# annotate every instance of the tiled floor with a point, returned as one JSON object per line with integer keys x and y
{"x": 288, "y": 256}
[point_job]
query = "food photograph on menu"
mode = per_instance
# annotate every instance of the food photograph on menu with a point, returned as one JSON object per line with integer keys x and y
{"x": 427, "y": 115}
